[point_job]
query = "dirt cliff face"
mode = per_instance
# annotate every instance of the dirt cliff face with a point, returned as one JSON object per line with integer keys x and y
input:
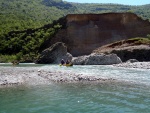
{"x": 86, "y": 32}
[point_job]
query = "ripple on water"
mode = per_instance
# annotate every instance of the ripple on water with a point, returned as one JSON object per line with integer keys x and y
{"x": 81, "y": 97}
{"x": 131, "y": 93}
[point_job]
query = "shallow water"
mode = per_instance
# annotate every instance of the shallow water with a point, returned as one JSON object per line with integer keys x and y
{"x": 139, "y": 76}
{"x": 131, "y": 93}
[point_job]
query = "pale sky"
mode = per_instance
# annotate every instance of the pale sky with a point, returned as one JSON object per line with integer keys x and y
{"x": 125, "y": 2}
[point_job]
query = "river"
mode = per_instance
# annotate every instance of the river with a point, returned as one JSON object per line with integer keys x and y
{"x": 130, "y": 93}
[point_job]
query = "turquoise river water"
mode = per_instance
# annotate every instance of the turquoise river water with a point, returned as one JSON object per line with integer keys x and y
{"x": 129, "y": 94}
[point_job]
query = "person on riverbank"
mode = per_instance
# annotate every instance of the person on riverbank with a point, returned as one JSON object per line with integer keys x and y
{"x": 69, "y": 63}
{"x": 62, "y": 62}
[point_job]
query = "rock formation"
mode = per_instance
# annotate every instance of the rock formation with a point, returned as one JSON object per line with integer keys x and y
{"x": 131, "y": 61}
{"x": 97, "y": 59}
{"x": 85, "y": 32}
{"x": 54, "y": 54}
{"x": 140, "y": 53}
{"x": 126, "y": 51}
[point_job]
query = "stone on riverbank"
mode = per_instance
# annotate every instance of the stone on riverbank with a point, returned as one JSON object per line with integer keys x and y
{"x": 97, "y": 59}
{"x": 54, "y": 54}
{"x": 132, "y": 61}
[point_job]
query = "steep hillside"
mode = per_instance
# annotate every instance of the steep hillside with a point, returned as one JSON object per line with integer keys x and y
{"x": 86, "y": 32}
{"x": 28, "y": 26}
{"x": 25, "y": 45}
{"x": 24, "y": 14}
{"x": 82, "y": 33}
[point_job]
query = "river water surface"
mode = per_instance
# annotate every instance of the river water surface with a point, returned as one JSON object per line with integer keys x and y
{"x": 129, "y": 94}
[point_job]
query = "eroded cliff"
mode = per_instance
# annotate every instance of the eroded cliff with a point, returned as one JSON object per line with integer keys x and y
{"x": 85, "y": 32}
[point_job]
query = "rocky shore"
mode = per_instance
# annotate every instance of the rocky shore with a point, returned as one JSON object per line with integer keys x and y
{"x": 10, "y": 76}
{"x": 34, "y": 76}
{"x": 141, "y": 65}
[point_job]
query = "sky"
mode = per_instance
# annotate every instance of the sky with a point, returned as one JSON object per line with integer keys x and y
{"x": 125, "y": 2}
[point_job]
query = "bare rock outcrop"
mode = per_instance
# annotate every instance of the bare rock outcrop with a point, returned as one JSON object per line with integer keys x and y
{"x": 140, "y": 53}
{"x": 85, "y": 32}
{"x": 54, "y": 54}
{"x": 127, "y": 51}
{"x": 97, "y": 59}
{"x": 132, "y": 61}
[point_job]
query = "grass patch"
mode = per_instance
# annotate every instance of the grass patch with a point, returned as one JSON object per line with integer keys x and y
{"x": 133, "y": 41}
{"x": 139, "y": 40}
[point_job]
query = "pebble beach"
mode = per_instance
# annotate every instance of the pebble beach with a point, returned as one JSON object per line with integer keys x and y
{"x": 35, "y": 76}
{"x": 140, "y": 65}
{"x": 10, "y": 76}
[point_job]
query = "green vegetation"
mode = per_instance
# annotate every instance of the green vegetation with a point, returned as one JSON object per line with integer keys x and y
{"x": 24, "y": 45}
{"x": 25, "y": 14}
{"x": 139, "y": 40}
{"x": 26, "y": 24}
{"x": 7, "y": 58}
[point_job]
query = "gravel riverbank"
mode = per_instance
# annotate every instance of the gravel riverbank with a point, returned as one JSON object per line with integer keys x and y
{"x": 141, "y": 65}
{"x": 35, "y": 75}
